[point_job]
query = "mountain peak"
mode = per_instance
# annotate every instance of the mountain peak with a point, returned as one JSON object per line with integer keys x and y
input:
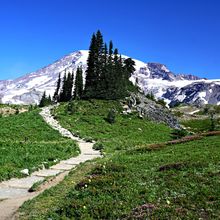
{"x": 158, "y": 66}
{"x": 151, "y": 77}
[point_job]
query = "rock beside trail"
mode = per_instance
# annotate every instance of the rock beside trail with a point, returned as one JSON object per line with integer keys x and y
{"x": 151, "y": 110}
{"x": 25, "y": 172}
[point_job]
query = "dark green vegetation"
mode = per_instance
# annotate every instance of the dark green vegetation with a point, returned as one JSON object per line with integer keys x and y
{"x": 45, "y": 100}
{"x": 201, "y": 125}
{"x": 78, "y": 89}
{"x": 107, "y": 75}
{"x": 26, "y": 141}
{"x": 91, "y": 119}
{"x": 67, "y": 86}
{"x": 137, "y": 179}
{"x": 174, "y": 182}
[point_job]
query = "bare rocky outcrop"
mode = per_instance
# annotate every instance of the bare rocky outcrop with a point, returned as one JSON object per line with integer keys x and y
{"x": 151, "y": 110}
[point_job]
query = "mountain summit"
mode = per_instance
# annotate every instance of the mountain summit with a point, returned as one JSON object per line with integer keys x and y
{"x": 153, "y": 78}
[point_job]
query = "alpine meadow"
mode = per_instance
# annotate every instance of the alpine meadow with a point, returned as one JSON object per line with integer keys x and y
{"x": 98, "y": 134}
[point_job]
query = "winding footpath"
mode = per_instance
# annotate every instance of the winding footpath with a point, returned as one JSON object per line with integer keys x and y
{"x": 14, "y": 192}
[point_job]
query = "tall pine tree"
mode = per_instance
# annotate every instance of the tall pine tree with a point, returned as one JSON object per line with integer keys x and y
{"x": 69, "y": 87}
{"x": 91, "y": 76}
{"x": 107, "y": 75}
{"x": 43, "y": 100}
{"x": 56, "y": 93}
{"x": 78, "y": 90}
{"x": 63, "y": 93}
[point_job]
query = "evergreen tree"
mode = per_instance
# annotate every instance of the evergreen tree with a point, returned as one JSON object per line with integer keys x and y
{"x": 56, "y": 93}
{"x": 78, "y": 91}
{"x": 107, "y": 76}
{"x": 101, "y": 92}
{"x": 99, "y": 63}
{"x": 43, "y": 100}
{"x": 69, "y": 87}
{"x": 91, "y": 78}
{"x": 49, "y": 100}
{"x": 105, "y": 54}
{"x": 110, "y": 50}
{"x": 63, "y": 93}
{"x": 129, "y": 67}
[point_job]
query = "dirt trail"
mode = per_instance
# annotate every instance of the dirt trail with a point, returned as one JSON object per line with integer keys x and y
{"x": 14, "y": 192}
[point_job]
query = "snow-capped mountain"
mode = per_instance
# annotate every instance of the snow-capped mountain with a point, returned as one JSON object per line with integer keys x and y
{"x": 150, "y": 77}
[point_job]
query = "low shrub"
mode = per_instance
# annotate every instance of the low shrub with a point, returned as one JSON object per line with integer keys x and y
{"x": 88, "y": 139}
{"x": 111, "y": 116}
{"x": 161, "y": 102}
{"x": 98, "y": 146}
{"x": 179, "y": 133}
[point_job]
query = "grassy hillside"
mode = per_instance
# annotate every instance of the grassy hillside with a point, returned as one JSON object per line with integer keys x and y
{"x": 88, "y": 119}
{"x": 26, "y": 141}
{"x": 175, "y": 182}
{"x": 134, "y": 180}
{"x": 201, "y": 125}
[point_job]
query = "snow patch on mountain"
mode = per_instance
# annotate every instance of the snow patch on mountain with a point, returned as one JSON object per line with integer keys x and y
{"x": 153, "y": 78}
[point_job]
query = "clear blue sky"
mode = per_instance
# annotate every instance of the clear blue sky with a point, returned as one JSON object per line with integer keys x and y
{"x": 183, "y": 34}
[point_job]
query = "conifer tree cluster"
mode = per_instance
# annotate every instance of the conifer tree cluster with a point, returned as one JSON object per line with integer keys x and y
{"x": 67, "y": 88}
{"x": 64, "y": 89}
{"x": 45, "y": 100}
{"x": 107, "y": 75}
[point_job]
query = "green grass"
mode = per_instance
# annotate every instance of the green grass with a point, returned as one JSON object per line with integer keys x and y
{"x": 175, "y": 182}
{"x": 26, "y": 141}
{"x": 200, "y": 125}
{"x": 52, "y": 199}
{"x": 179, "y": 181}
{"x": 88, "y": 120}
{"x": 9, "y": 105}
{"x": 28, "y": 126}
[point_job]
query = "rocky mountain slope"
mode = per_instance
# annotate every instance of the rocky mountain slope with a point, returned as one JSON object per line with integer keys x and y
{"x": 150, "y": 77}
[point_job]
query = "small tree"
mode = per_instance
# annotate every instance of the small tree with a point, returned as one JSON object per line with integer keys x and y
{"x": 30, "y": 108}
{"x": 111, "y": 116}
{"x": 71, "y": 107}
{"x": 43, "y": 100}
{"x": 210, "y": 110}
{"x": 212, "y": 121}
{"x": 161, "y": 102}
{"x": 49, "y": 100}
{"x": 17, "y": 111}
